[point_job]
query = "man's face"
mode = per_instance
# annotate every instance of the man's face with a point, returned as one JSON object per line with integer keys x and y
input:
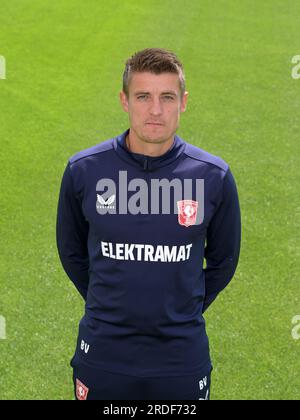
{"x": 154, "y": 105}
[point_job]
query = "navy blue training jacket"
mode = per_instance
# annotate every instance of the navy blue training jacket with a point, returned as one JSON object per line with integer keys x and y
{"x": 141, "y": 272}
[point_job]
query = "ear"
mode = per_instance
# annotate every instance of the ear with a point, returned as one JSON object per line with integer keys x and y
{"x": 183, "y": 104}
{"x": 124, "y": 101}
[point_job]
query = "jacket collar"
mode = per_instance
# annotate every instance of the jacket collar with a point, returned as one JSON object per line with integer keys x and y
{"x": 144, "y": 162}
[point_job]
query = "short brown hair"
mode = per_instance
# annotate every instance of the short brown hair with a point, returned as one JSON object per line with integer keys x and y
{"x": 153, "y": 60}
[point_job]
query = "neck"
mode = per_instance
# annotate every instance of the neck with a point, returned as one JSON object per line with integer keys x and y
{"x": 135, "y": 145}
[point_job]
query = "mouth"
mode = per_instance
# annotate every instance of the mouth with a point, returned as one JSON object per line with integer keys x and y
{"x": 154, "y": 124}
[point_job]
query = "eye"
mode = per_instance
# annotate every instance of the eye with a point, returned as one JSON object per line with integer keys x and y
{"x": 168, "y": 97}
{"x": 142, "y": 97}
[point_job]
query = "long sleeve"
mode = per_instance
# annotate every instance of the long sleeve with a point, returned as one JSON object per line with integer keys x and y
{"x": 223, "y": 242}
{"x": 71, "y": 235}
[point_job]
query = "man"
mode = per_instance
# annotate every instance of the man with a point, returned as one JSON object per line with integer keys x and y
{"x": 137, "y": 215}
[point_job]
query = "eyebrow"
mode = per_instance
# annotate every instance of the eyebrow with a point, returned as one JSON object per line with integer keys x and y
{"x": 169, "y": 92}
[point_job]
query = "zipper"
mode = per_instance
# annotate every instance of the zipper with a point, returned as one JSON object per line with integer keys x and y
{"x": 147, "y": 170}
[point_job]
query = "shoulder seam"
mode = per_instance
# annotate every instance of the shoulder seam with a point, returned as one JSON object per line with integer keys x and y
{"x": 206, "y": 161}
{"x": 72, "y": 159}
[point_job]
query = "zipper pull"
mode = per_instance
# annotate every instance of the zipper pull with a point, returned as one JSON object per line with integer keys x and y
{"x": 145, "y": 164}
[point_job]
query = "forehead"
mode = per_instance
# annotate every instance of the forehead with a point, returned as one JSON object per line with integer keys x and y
{"x": 154, "y": 83}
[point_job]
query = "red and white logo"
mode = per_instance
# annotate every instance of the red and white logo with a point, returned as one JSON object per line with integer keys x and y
{"x": 81, "y": 390}
{"x": 187, "y": 212}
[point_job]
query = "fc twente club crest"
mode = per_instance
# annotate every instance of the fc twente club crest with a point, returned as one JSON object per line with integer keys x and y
{"x": 187, "y": 212}
{"x": 81, "y": 390}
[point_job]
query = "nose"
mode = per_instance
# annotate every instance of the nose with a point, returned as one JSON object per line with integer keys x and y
{"x": 156, "y": 107}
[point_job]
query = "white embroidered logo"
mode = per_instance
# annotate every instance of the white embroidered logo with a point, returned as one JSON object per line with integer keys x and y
{"x": 105, "y": 204}
{"x": 84, "y": 346}
{"x": 203, "y": 384}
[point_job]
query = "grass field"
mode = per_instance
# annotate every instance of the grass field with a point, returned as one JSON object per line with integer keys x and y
{"x": 64, "y": 62}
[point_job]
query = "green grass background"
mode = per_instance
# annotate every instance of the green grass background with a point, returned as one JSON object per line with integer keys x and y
{"x": 64, "y": 65}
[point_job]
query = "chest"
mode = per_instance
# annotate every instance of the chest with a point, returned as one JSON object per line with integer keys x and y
{"x": 159, "y": 209}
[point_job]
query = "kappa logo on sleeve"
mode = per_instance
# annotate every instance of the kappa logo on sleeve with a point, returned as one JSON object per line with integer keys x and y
{"x": 81, "y": 390}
